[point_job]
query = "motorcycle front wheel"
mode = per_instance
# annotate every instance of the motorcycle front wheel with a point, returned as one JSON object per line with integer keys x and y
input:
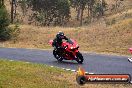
{"x": 79, "y": 58}
{"x": 57, "y": 56}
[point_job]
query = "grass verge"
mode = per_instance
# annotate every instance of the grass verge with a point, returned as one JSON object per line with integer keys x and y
{"x": 18, "y": 74}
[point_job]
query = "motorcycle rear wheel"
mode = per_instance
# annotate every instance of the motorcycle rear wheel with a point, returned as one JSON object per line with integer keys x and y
{"x": 79, "y": 58}
{"x": 57, "y": 56}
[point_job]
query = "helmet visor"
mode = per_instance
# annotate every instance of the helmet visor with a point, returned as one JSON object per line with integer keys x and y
{"x": 62, "y": 37}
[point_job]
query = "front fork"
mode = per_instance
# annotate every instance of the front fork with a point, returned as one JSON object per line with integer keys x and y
{"x": 75, "y": 53}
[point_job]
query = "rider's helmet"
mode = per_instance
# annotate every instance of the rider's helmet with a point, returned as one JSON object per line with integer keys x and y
{"x": 60, "y": 35}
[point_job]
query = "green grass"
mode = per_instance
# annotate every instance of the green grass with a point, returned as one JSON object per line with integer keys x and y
{"x": 18, "y": 74}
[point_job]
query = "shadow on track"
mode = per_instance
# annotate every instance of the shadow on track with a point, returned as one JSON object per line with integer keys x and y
{"x": 66, "y": 62}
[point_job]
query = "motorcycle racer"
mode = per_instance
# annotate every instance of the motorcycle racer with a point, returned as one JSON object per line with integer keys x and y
{"x": 58, "y": 40}
{"x": 65, "y": 50}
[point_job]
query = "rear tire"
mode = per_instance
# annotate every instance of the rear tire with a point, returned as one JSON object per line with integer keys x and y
{"x": 79, "y": 58}
{"x": 57, "y": 56}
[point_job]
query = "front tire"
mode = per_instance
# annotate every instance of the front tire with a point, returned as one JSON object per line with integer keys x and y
{"x": 79, "y": 58}
{"x": 57, "y": 56}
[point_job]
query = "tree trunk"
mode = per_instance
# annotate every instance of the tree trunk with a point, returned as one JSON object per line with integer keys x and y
{"x": 15, "y": 7}
{"x": 116, "y": 4}
{"x": 12, "y": 10}
{"x": 81, "y": 18}
{"x": 78, "y": 13}
{"x": 88, "y": 11}
{"x": 1, "y": 2}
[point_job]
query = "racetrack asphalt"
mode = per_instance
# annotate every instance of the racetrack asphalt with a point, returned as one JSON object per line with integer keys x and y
{"x": 93, "y": 63}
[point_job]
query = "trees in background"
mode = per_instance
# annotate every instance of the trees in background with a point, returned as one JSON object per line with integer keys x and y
{"x": 7, "y": 32}
{"x": 4, "y": 22}
{"x": 57, "y": 12}
{"x": 50, "y": 12}
{"x": 94, "y": 8}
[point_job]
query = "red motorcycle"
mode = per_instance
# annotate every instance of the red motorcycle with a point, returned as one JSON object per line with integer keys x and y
{"x": 69, "y": 52}
{"x": 130, "y": 49}
{"x": 130, "y": 59}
